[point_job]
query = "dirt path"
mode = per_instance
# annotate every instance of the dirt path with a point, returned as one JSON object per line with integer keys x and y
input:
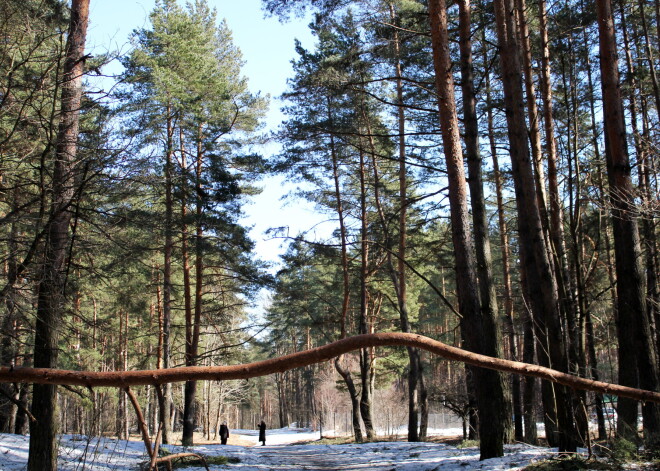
{"x": 374, "y": 457}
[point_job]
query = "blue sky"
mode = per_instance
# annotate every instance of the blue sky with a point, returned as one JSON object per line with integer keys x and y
{"x": 266, "y": 43}
{"x": 268, "y": 47}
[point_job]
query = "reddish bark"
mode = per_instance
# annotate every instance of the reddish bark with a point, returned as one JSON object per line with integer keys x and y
{"x": 637, "y": 363}
{"x": 478, "y": 325}
{"x": 142, "y": 425}
{"x": 308, "y": 357}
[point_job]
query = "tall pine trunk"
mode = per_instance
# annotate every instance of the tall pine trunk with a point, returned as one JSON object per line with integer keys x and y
{"x": 489, "y": 309}
{"x": 417, "y": 397}
{"x": 190, "y": 388}
{"x": 536, "y": 265}
{"x": 568, "y": 303}
{"x": 346, "y": 295}
{"x": 165, "y": 399}
{"x": 521, "y": 409}
{"x": 637, "y": 360}
{"x": 494, "y": 409}
{"x": 365, "y": 353}
{"x": 9, "y": 329}
{"x": 51, "y": 296}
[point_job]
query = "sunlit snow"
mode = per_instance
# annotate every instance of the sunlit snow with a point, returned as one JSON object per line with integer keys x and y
{"x": 282, "y": 452}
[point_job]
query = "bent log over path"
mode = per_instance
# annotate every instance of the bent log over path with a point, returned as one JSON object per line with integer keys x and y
{"x": 124, "y": 379}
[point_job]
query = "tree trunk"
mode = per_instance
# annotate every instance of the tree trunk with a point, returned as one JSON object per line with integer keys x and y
{"x": 491, "y": 391}
{"x": 416, "y": 392}
{"x": 21, "y": 426}
{"x": 167, "y": 275}
{"x": 9, "y": 329}
{"x": 648, "y": 54}
{"x": 190, "y": 389}
{"x": 604, "y": 230}
{"x": 637, "y": 361}
{"x": 199, "y": 250}
{"x": 556, "y": 210}
{"x": 489, "y": 310}
{"x": 51, "y": 296}
{"x": 365, "y": 354}
{"x": 533, "y": 251}
{"x": 518, "y": 412}
{"x": 309, "y": 357}
{"x": 532, "y": 113}
{"x": 346, "y": 296}
{"x": 572, "y": 289}
{"x": 121, "y": 418}
{"x": 644, "y": 170}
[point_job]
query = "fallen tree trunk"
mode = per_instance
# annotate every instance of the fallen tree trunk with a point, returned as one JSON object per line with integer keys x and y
{"x": 124, "y": 379}
{"x": 168, "y": 460}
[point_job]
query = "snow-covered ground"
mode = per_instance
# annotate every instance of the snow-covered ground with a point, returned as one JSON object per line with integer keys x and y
{"x": 280, "y": 453}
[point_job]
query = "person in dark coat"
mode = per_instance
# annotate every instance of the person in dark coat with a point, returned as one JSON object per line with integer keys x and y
{"x": 224, "y": 433}
{"x": 262, "y": 433}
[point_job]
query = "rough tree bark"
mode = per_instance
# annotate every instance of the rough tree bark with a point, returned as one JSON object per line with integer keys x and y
{"x": 164, "y": 404}
{"x": 568, "y": 302}
{"x": 190, "y": 389}
{"x": 9, "y": 328}
{"x": 604, "y": 230}
{"x": 365, "y": 354}
{"x": 491, "y": 391}
{"x": 637, "y": 363}
{"x": 51, "y": 296}
{"x": 536, "y": 265}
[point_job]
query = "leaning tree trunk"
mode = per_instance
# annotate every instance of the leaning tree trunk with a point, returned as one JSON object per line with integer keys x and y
{"x": 51, "y": 297}
{"x": 491, "y": 391}
{"x": 637, "y": 361}
{"x": 92, "y": 379}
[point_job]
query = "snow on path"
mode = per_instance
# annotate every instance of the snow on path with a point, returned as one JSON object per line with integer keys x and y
{"x": 104, "y": 454}
{"x": 379, "y": 456}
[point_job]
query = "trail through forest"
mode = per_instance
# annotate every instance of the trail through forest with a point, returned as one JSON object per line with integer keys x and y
{"x": 287, "y": 449}
{"x": 282, "y": 452}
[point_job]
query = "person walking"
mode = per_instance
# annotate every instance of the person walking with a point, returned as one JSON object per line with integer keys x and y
{"x": 262, "y": 433}
{"x": 224, "y": 433}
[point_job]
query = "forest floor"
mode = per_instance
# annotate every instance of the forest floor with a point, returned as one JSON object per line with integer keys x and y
{"x": 287, "y": 449}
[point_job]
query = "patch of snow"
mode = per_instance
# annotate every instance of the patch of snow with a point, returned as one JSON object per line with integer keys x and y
{"x": 281, "y": 453}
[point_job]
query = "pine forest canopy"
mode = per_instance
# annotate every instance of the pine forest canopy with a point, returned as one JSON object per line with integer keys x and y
{"x": 490, "y": 170}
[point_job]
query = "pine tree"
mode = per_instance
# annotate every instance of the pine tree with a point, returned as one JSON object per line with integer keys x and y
{"x": 186, "y": 87}
{"x": 51, "y": 297}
